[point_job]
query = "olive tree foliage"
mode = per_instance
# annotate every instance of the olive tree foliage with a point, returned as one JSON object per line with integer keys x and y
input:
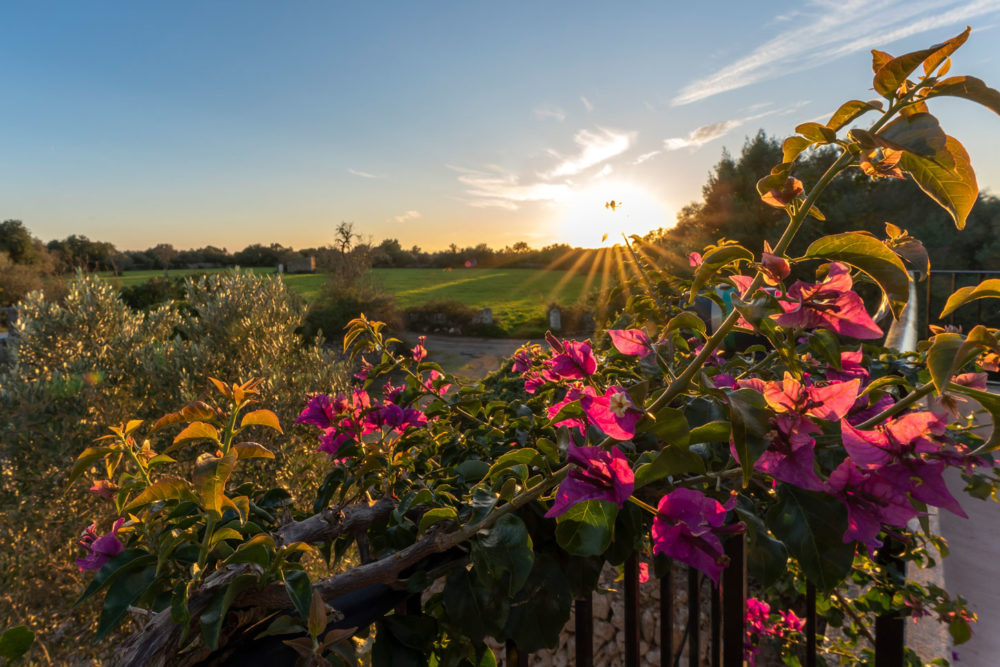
{"x": 88, "y": 356}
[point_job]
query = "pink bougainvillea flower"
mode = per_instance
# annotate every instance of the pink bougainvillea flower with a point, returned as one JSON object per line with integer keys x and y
{"x": 522, "y": 360}
{"x": 574, "y": 361}
{"x": 694, "y": 259}
{"x": 533, "y": 382}
{"x": 829, "y": 402}
{"x": 634, "y": 342}
{"x": 758, "y": 615}
{"x": 435, "y": 383}
{"x": 419, "y": 351}
{"x": 105, "y": 489}
{"x": 783, "y": 196}
{"x": 99, "y": 549}
{"x": 362, "y": 374}
{"x": 321, "y": 410}
{"x": 774, "y": 268}
{"x": 902, "y": 436}
{"x": 863, "y": 410}
{"x": 723, "y": 381}
{"x": 953, "y": 404}
{"x": 687, "y": 527}
{"x": 600, "y": 475}
{"x": 791, "y": 454}
{"x": 614, "y": 413}
{"x": 794, "y": 623}
{"x": 392, "y": 392}
{"x": 871, "y": 500}
{"x": 643, "y": 572}
{"x": 333, "y": 439}
{"x": 830, "y": 304}
{"x": 850, "y": 368}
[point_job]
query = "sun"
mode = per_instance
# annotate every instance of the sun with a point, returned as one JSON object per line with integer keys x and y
{"x": 588, "y": 221}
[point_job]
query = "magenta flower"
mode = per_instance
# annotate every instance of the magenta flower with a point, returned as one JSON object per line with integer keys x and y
{"x": 695, "y": 259}
{"x": 99, "y": 549}
{"x": 333, "y": 439}
{"x": 614, "y": 413}
{"x": 790, "y": 456}
{"x": 572, "y": 394}
{"x": 522, "y": 359}
{"x": 574, "y": 360}
{"x": 829, "y": 402}
{"x": 321, "y": 410}
{"x": 601, "y": 475}
{"x": 831, "y": 304}
{"x": 105, "y": 489}
{"x": 419, "y": 351}
{"x": 687, "y": 528}
{"x": 533, "y": 382}
{"x": 850, "y": 368}
{"x": 774, "y": 268}
{"x": 633, "y": 342}
{"x": 435, "y": 384}
{"x": 871, "y": 500}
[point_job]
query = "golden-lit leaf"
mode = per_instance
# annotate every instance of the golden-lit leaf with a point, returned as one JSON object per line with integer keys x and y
{"x": 715, "y": 260}
{"x": 943, "y": 52}
{"x": 168, "y": 420}
{"x": 210, "y": 476}
{"x": 166, "y": 488}
{"x": 945, "y": 68}
{"x": 920, "y": 133}
{"x": 879, "y": 60}
{"x": 970, "y": 88}
{"x": 988, "y": 289}
{"x": 197, "y": 431}
{"x": 850, "y": 111}
{"x": 914, "y": 109}
{"x": 87, "y": 458}
{"x": 222, "y": 387}
{"x": 954, "y": 189}
{"x": 792, "y": 146}
{"x": 252, "y": 450}
{"x": 261, "y": 418}
{"x": 132, "y": 425}
{"x": 816, "y": 133}
{"x": 198, "y": 411}
{"x": 893, "y": 73}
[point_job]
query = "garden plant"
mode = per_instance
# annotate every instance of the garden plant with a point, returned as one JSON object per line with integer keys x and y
{"x": 500, "y": 501}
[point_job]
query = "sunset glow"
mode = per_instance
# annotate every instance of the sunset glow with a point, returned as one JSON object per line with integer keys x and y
{"x": 587, "y": 221}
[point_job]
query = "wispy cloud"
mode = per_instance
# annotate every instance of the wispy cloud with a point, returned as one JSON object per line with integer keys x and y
{"x": 555, "y": 113}
{"x": 409, "y": 215}
{"x": 494, "y": 187}
{"x": 702, "y": 135}
{"x": 645, "y": 157}
{"x": 595, "y": 148}
{"x": 587, "y": 104}
{"x": 825, "y": 30}
{"x": 605, "y": 171}
{"x": 362, "y": 174}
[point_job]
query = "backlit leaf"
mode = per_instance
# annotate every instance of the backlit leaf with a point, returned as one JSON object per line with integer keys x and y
{"x": 197, "y": 431}
{"x": 970, "y": 88}
{"x": 261, "y": 418}
{"x": 165, "y": 488}
{"x": 252, "y": 450}
{"x": 435, "y": 515}
{"x": 988, "y": 289}
{"x": 893, "y": 73}
{"x": 919, "y": 133}
{"x": 848, "y": 112}
{"x": 715, "y": 260}
{"x": 943, "y": 51}
{"x": 870, "y": 255}
{"x": 792, "y": 147}
{"x": 816, "y": 133}
{"x": 954, "y": 189}
{"x": 991, "y": 403}
{"x": 586, "y": 528}
{"x": 87, "y": 458}
{"x": 210, "y": 476}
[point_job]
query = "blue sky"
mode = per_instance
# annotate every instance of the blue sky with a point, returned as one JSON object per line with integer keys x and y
{"x": 230, "y": 123}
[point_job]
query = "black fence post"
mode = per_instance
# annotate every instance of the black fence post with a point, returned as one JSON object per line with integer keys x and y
{"x": 632, "y": 611}
{"x": 667, "y": 617}
{"x": 694, "y": 617}
{"x": 734, "y": 596}
{"x": 585, "y": 631}
{"x": 889, "y": 627}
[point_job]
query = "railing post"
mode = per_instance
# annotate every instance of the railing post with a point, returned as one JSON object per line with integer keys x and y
{"x": 667, "y": 617}
{"x": 632, "y": 611}
{"x": 810, "y": 625}
{"x": 889, "y": 627}
{"x": 585, "y": 631}
{"x": 734, "y": 595}
{"x": 694, "y": 617}
{"x": 516, "y": 657}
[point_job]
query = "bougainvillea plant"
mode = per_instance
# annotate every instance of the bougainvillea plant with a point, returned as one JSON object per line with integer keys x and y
{"x": 502, "y": 500}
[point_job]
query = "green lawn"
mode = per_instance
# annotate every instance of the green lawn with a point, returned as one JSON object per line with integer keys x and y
{"x": 518, "y": 297}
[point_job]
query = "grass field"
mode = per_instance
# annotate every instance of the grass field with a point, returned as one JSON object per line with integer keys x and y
{"x": 518, "y": 297}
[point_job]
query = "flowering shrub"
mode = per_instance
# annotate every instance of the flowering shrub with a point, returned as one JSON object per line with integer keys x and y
{"x": 816, "y": 445}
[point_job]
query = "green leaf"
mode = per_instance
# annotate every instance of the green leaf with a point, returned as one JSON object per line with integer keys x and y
{"x": 919, "y": 133}
{"x": 960, "y": 631}
{"x": 215, "y": 615}
{"x": 87, "y": 458}
{"x": 586, "y": 528}
{"x": 526, "y": 456}
{"x": 816, "y": 133}
{"x": 435, "y": 515}
{"x": 991, "y": 403}
{"x": 539, "y": 612}
{"x": 15, "y": 642}
{"x": 750, "y": 420}
{"x": 549, "y": 449}
{"x": 670, "y": 426}
{"x": 252, "y": 450}
{"x": 670, "y": 461}
{"x": 714, "y": 431}
{"x": 953, "y": 188}
{"x": 504, "y": 552}
{"x": 473, "y": 608}
{"x": 812, "y": 526}
{"x": 893, "y": 73}
{"x": 197, "y": 431}
{"x": 685, "y": 320}
{"x": 129, "y": 559}
{"x": 970, "y": 88}
{"x": 300, "y": 592}
{"x": 165, "y": 488}
{"x": 261, "y": 418}
{"x": 258, "y": 550}
{"x": 715, "y": 260}
{"x": 941, "y": 361}
{"x": 866, "y": 253}
{"x": 988, "y": 289}
{"x": 124, "y": 591}
{"x": 792, "y": 147}
{"x": 225, "y": 534}
{"x": 210, "y": 476}
{"x": 472, "y": 470}
{"x": 848, "y": 112}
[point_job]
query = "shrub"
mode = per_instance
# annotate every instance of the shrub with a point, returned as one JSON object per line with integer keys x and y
{"x": 450, "y": 317}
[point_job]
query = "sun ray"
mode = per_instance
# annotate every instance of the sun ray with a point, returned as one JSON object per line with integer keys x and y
{"x": 569, "y": 275}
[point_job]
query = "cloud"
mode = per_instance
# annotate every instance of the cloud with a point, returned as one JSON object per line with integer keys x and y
{"x": 702, "y": 135}
{"x": 587, "y": 104}
{"x": 605, "y": 171}
{"x": 409, "y": 215}
{"x": 646, "y": 156}
{"x": 595, "y": 148}
{"x": 825, "y": 30}
{"x": 362, "y": 174}
{"x": 496, "y": 188}
{"x": 543, "y": 112}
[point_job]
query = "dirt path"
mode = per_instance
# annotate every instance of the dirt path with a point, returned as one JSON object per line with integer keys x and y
{"x": 469, "y": 357}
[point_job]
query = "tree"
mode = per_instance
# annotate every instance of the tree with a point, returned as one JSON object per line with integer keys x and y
{"x": 163, "y": 252}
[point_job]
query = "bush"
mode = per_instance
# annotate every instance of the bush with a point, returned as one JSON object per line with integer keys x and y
{"x": 330, "y": 316}
{"x": 92, "y": 360}
{"x": 154, "y": 292}
{"x": 450, "y": 317}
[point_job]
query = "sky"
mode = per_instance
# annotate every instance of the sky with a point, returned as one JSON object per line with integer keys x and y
{"x": 230, "y": 123}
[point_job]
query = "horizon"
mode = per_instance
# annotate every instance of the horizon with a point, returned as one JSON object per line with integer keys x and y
{"x": 242, "y": 123}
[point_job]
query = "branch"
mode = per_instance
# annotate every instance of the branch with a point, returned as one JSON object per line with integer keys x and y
{"x": 334, "y": 522}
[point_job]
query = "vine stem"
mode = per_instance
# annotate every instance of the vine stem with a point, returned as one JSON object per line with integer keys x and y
{"x": 898, "y": 406}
